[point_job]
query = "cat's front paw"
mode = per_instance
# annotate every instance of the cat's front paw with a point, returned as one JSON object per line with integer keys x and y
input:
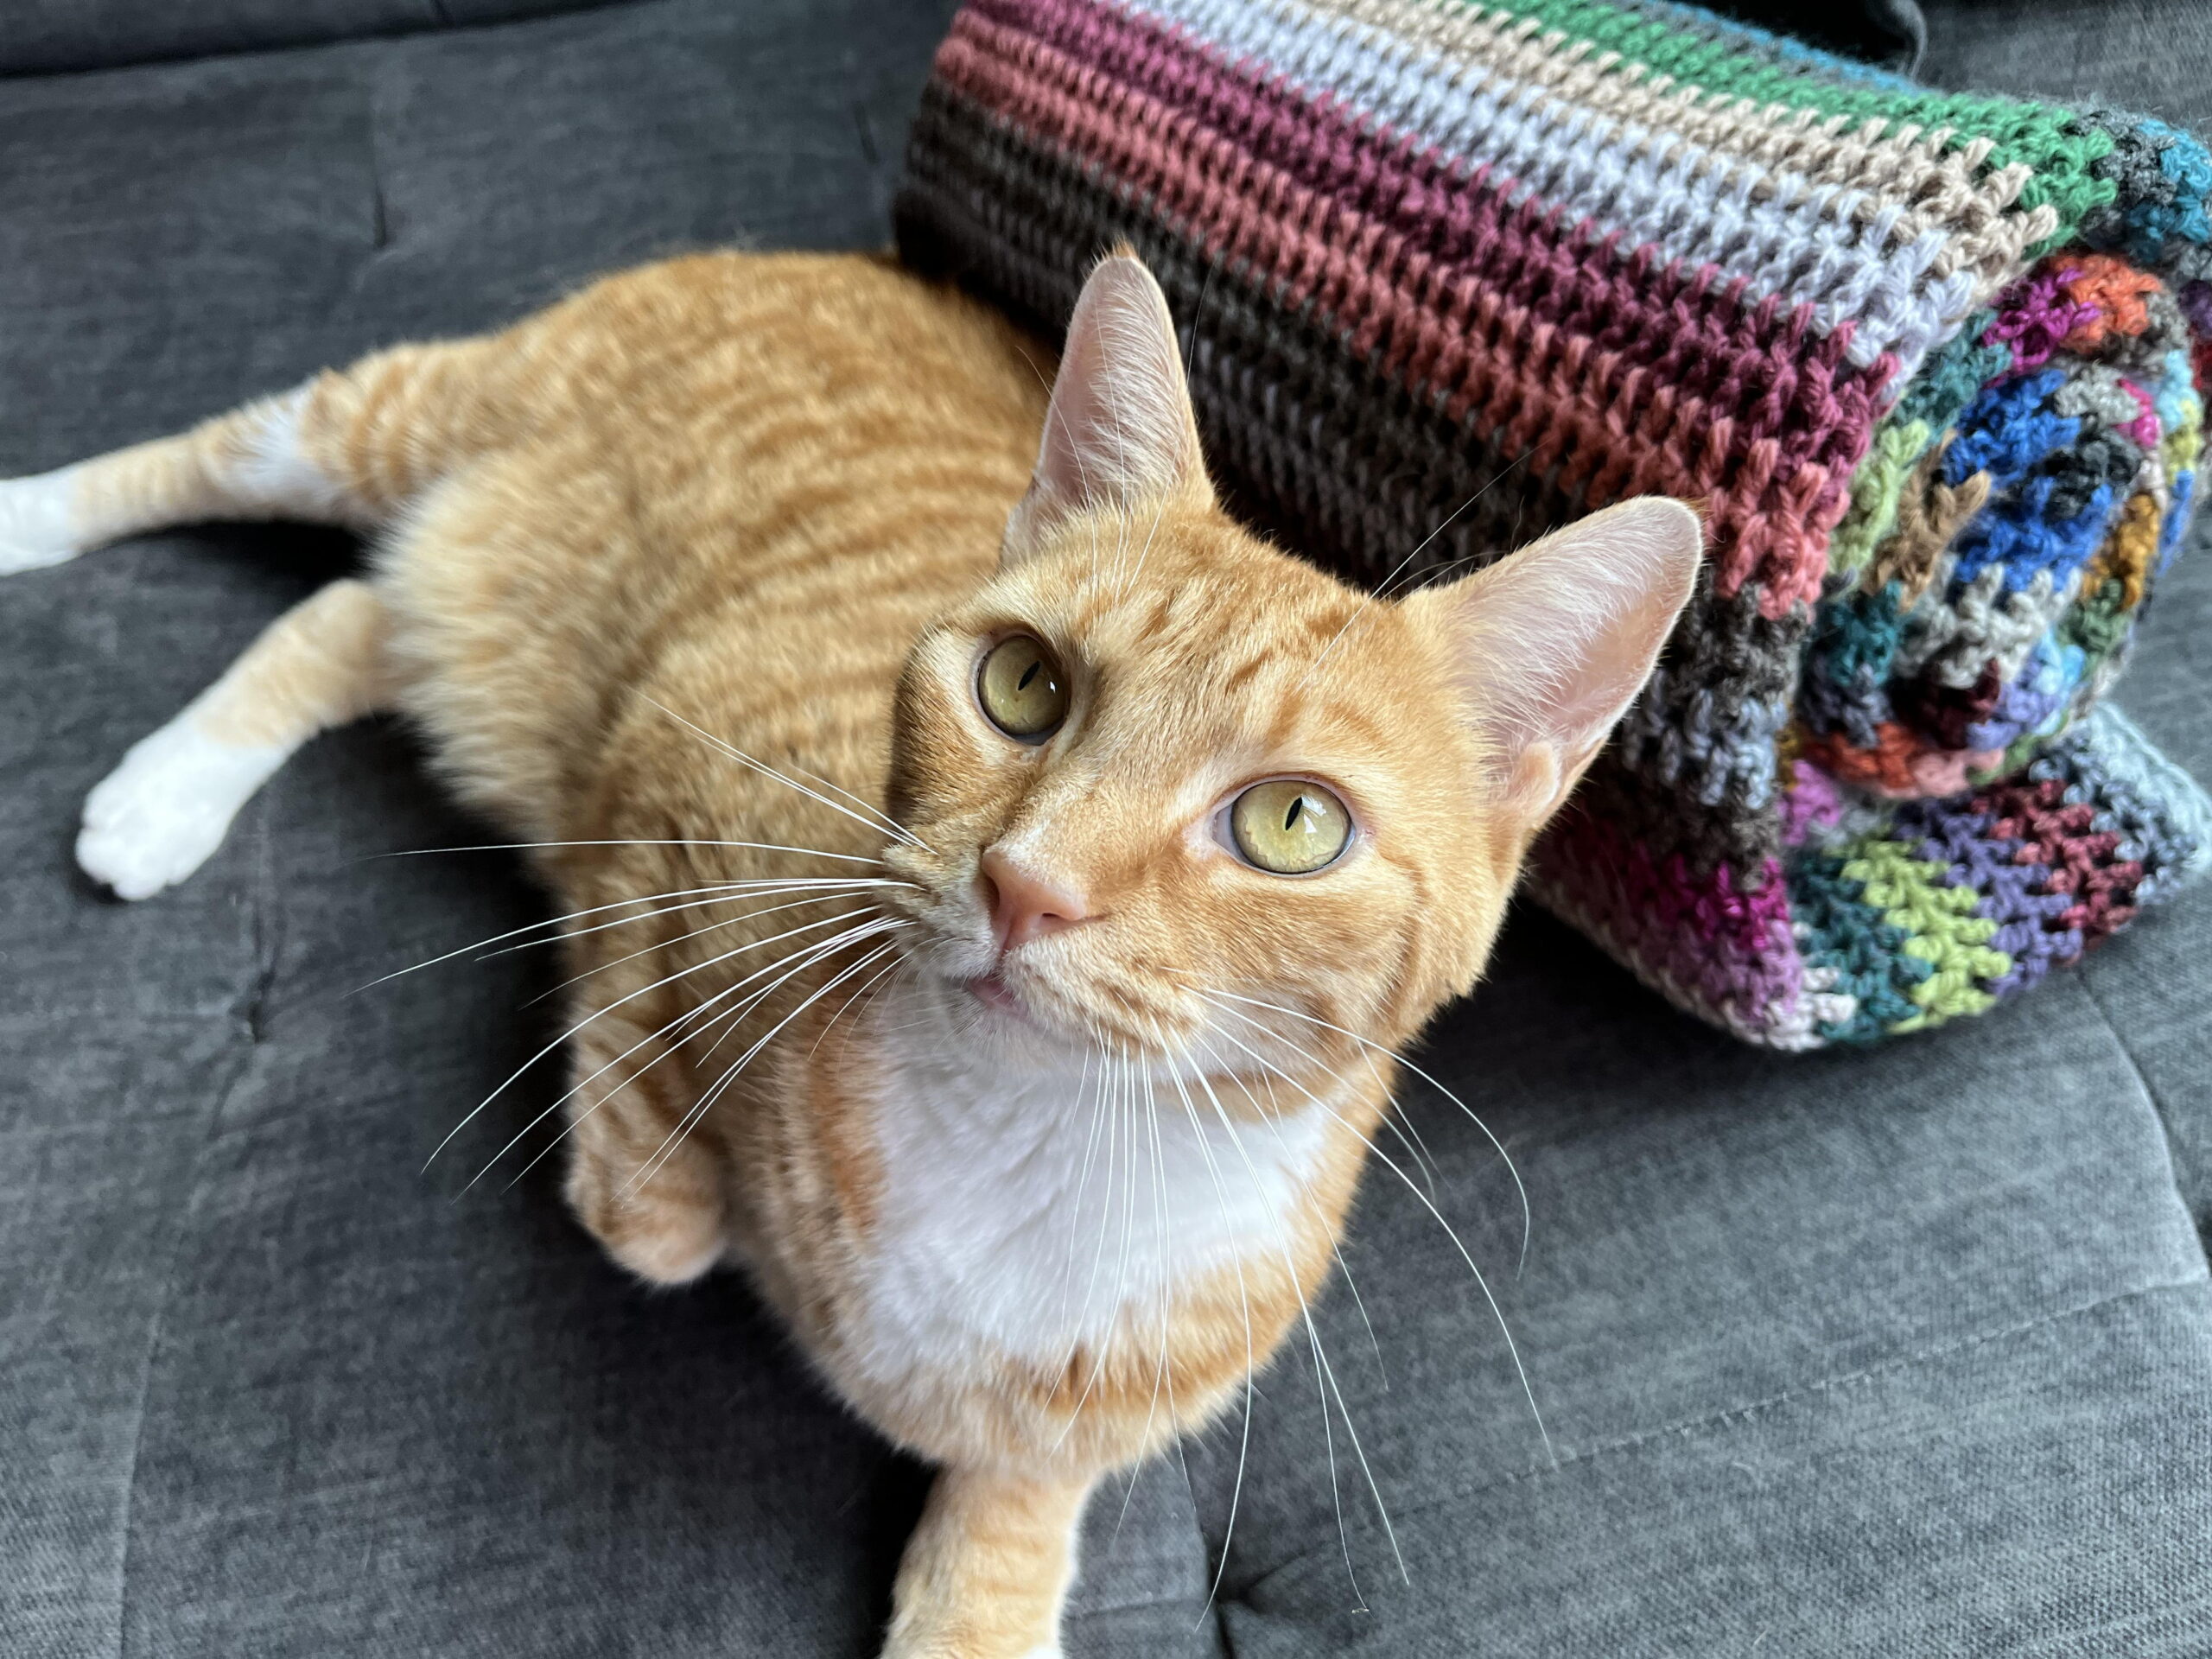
{"x": 38, "y": 521}
{"x": 159, "y": 816}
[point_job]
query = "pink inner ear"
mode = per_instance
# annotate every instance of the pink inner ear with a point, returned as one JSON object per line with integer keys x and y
{"x": 1551, "y": 645}
{"x": 1120, "y": 428}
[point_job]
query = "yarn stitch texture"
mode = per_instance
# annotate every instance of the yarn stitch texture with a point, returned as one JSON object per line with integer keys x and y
{"x": 1453, "y": 275}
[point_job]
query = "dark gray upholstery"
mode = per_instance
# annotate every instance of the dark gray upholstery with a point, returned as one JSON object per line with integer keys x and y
{"x": 1907, "y": 1351}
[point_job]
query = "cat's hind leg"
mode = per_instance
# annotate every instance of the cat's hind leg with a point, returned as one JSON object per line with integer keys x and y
{"x": 351, "y": 446}
{"x": 258, "y": 461}
{"x": 155, "y": 819}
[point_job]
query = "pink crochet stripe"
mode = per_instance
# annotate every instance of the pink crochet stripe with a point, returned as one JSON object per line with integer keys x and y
{"x": 1729, "y": 953}
{"x": 1665, "y": 378}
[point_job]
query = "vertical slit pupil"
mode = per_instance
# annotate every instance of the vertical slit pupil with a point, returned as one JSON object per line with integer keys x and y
{"x": 1297, "y": 809}
{"x": 1028, "y": 674}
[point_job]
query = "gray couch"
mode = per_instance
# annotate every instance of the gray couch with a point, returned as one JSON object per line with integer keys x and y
{"x": 1902, "y": 1351}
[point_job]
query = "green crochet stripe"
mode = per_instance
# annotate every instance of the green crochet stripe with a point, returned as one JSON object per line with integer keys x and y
{"x": 2059, "y": 150}
{"x": 1945, "y": 933}
{"x": 1875, "y": 488}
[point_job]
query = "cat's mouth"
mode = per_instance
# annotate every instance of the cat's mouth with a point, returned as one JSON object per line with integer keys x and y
{"x": 993, "y": 993}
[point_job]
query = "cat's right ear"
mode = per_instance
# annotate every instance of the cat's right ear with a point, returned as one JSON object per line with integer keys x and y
{"x": 1118, "y": 435}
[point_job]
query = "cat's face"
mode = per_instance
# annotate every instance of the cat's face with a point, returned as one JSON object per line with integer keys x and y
{"x": 1227, "y": 776}
{"x": 1165, "y": 779}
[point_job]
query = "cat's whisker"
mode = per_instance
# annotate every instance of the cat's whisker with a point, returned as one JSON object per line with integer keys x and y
{"x": 553, "y": 922}
{"x": 674, "y": 841}
{"x": 694, "y": 1016}
{"x": 1160, "y": 1375}
{"x": 685, "y": 1018}
{"x": 667, "y": 979}
{"x": 877, "y": 824}
{"x": 1118, "y": 1118}
{"x": 1325, "y": 1371}
{"x": 1082, "y": 1174}
{"x": 1251, "y": 1355}
{"x": 812, "y": 898}
{"x": 1381, "y": 589}
{"x": 697, "y": 1113}
{"x": 1369, "y": 1043}
{"x": 867, "y": 806}
{"x": 826, "y": 885}
{"x": 1271, "y": 1114}
{"x": 892, "y": 966}
{"x": 1482, "y": 1281}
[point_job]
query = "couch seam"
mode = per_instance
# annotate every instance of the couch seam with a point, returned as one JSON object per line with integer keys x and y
{"x": 154, "y": 1340}
{"x": 1734, "y": 1414}
{"x": 2165, "y": 1118}
{"x": 249, "y": 1015}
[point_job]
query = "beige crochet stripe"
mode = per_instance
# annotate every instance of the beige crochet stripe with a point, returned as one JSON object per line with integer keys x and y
{"x": 1901, "y": 167}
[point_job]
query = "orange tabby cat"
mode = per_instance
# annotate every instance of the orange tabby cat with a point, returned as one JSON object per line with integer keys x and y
{"x": 991, "y": 871}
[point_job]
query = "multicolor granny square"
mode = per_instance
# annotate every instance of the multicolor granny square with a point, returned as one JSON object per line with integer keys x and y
{"x": 1453, "y": 275}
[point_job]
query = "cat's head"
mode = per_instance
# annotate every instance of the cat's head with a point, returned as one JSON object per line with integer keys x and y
{"x": 1166, "y": 776}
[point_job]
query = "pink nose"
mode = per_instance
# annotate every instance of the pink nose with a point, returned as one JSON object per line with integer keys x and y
{"x": 1024, "y": 906}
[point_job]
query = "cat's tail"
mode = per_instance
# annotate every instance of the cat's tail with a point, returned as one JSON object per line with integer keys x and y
{"x": 351, "y": 446}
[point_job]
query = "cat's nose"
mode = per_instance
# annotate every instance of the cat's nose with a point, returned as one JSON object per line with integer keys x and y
{"x": 1024, "y": 905}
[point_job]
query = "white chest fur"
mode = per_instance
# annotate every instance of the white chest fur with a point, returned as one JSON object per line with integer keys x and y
{"x": 1028, "y": 1208}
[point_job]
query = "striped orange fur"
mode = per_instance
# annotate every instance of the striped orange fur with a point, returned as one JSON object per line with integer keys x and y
{"x": 1032, "y": 1102}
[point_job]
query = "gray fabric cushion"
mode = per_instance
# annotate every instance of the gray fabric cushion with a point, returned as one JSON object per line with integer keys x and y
{"x": 1907, "y": 1351}
{"x": 51, "y": 36}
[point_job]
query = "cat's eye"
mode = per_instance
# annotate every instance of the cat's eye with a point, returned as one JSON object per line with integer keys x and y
{"x": 1289, "y": 826}
{"x": 1022, "y": 689}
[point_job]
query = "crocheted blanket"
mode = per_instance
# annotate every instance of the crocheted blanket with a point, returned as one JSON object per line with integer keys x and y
{"x": 1451, "y": 276}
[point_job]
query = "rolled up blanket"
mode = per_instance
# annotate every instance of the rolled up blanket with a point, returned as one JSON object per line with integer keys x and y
{"x": 1452, "y": 276}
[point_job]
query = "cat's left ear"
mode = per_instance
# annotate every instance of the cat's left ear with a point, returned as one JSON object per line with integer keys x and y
{"x": 1548, "y": 647}
{"x": 1118, "y": 435}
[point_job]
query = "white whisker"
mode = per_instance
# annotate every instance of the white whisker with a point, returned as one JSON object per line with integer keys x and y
{"x": 601, "y": 1013}
{"x": 1482, "y": 1282}
{"x": 698, "y": 1113}
{"x": 675, "y": 840}
{"x": 1379, "y": 1048}
{"x": 767, "y": 770}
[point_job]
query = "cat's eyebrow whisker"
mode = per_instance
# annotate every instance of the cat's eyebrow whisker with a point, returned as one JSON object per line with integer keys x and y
{"x": 668, "y": 979}
{"x": 1381, "y": 589}
{"x": 877, "y": 824}
{"x": 1482, "y": 1281}
{"x": 1489, "y": 1134}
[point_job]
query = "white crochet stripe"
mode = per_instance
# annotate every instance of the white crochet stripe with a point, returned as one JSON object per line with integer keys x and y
{"x": 1903, "y": 165}
{"x": 1810, "y": 243}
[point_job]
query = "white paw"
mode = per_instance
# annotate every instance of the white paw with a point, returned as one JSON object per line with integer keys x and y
{"x": 38, "y": 521}
{"x": 155, "y": 819}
